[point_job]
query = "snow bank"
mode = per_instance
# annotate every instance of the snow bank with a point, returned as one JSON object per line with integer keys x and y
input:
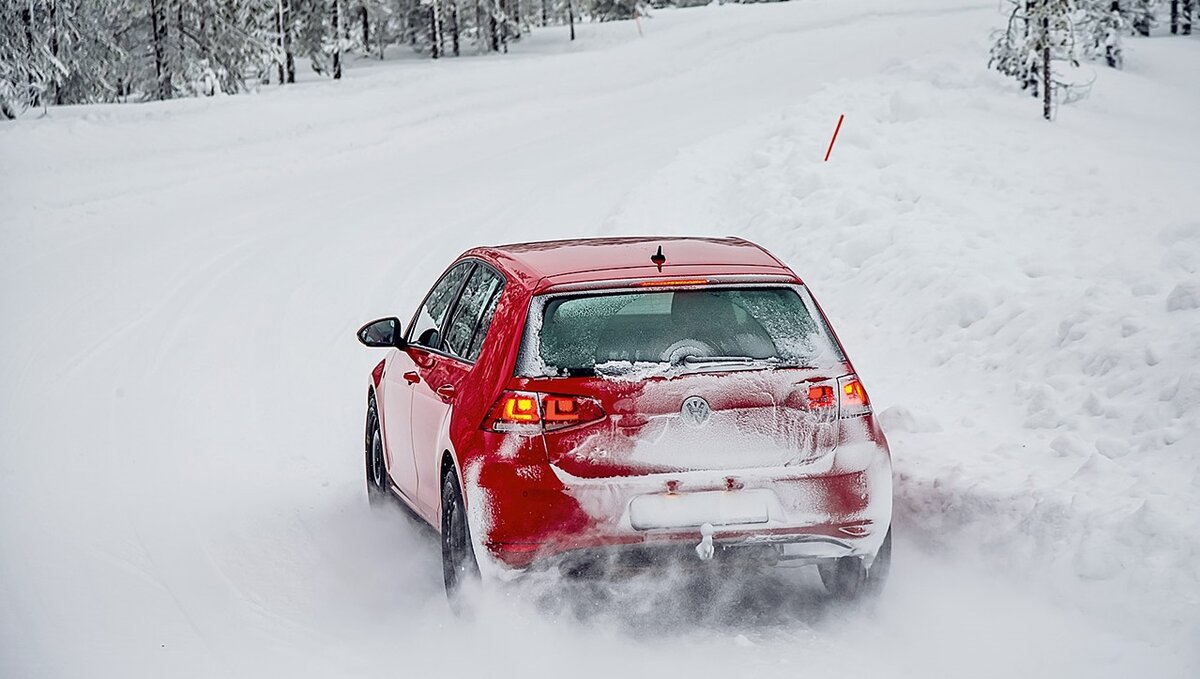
{"x": 1020, "y": 297}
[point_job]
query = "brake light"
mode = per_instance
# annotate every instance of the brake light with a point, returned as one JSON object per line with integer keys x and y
{"x": 850, "y": 398}
{"x": 694, "y": 281}
{"x": 530, "y": 413}
{"x": 561, "y": 408}
{"x": 520, "y": 408}
{"x": 853, "y": 397}
{"x": 821, "y": 396}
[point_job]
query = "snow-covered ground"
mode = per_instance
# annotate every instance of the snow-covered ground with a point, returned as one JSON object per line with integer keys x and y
{"x": 181, "y": 409}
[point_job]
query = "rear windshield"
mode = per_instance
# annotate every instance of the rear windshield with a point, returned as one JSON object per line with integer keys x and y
{"x": 709, "y": 329}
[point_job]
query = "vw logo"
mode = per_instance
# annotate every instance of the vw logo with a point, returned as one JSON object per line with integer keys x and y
{"x": 695, "y": 411}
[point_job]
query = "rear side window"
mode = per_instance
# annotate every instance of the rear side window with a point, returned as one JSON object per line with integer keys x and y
{"x": 692, "y": 329}
{"x": 473, "y": 314}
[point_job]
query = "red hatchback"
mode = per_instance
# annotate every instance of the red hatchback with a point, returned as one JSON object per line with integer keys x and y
{"x": 585, "y": 404}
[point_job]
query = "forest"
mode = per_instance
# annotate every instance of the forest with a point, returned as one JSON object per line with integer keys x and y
{"x": 56, "y": 52}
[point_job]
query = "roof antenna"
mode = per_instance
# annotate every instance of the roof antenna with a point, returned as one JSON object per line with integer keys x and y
{"x": 659, "y": 259}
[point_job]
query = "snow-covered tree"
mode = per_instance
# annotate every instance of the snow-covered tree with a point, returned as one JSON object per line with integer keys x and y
{"x": 613, "y": 10}
{"x": 57, "y": 52}
{"x": 1101, "y": 25}
{"x": 1181, "y": 17}
{"x": 1039, "y": 34}
{"x": 77, "y": 51}
{"x": 1141, "y": 15}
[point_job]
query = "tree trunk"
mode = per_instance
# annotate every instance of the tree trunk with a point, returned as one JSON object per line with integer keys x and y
{"x": 381, "y": 37}
{"x": 454, "y": 26}
{"x": 179, "y": 44}
{"x": 279, "y": 39}
{"x": 288, "y": 72}
{"x": 545, "y": 12}
{"x": 162, "y": 69}
{"x": 571, "y": 17}
{"x": 365, "y": 18}
{"x": 7, "y": 111}
{"x": 435, "y": 34}
{"x": 479, "y": 24}
{"x": 205, "y": 39}
{"x": 516, "y": 18}
{"x": 1046, "y": 85}
{"x": 27, "y": 22}
{"x": 335, "y": 18}
{"x": 1186, "y": 26}
{"x": 493, "y": 28}
{"x": 1174, "y": 17}
{"x": 504, "y": 26}
{"x": 58, "y": 90}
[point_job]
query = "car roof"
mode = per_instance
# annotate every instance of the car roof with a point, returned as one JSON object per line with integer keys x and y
{"x": 626, "y": 257}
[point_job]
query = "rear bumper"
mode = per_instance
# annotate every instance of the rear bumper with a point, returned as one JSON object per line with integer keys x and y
{"x": 537, "y": 515}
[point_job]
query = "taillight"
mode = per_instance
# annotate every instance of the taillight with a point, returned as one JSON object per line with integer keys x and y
{"x": 850, "y": 398}
{"x": 524, "y": 412}
{"x": 853, "y": 397}
{"x": 520, "y": 408}
{"x": 821, "y": 396}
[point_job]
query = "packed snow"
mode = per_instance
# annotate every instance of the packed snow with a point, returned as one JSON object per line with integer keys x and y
{"x": 181, "y": 488}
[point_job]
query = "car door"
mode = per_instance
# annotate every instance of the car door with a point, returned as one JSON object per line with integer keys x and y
{"x": 447, "y": 373}
{"x": 402, "y": 376}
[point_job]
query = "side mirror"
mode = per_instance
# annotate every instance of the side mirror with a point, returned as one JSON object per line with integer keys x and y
{"x": 384, "y": 332}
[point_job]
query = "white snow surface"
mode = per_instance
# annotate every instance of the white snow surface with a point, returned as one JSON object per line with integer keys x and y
{"x": 181, "y": 488}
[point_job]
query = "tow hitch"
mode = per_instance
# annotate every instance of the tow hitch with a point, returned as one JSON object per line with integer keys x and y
{"x": 705, "y": 549}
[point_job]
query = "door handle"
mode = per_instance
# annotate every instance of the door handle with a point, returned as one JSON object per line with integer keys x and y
{"x": 446, "y": 391}
{"x": 412, "y": 377}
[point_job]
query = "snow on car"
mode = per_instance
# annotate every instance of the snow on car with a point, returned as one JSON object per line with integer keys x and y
{"x": 629, "y": 401}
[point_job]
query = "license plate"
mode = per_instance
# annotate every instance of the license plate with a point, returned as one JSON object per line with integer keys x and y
{"x": 686, "y": 510}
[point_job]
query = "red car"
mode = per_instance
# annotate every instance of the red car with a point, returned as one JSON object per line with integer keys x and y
{"x": 587, "y": 404}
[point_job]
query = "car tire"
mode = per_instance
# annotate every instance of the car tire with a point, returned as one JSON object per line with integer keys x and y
{"x": 459, "y": 567}
{"x": 378, "y": 493}
{"x": 850, "y": 579}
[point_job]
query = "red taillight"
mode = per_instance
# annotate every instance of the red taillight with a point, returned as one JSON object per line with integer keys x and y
{"x": 520, "y": 408}
{"x": 853, "y": 397}
{"x": 821, "y": 396}
{"x": 561, "y": 408}
{"x": 525, "y": 412}
{"x": 850, "y": 398}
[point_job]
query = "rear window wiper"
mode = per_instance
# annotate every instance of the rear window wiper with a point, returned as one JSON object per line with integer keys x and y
{"x": 578, "y": 372}
{"x": 691, "y": 359}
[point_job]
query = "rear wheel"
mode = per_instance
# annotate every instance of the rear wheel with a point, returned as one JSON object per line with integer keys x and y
{"x": 378, "y": 494}
{"x": 850, "y": 579}
{"x": 459, "y": 567}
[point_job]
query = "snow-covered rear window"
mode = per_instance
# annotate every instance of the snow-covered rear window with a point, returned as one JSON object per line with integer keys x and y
{"x": 695, "y": 329}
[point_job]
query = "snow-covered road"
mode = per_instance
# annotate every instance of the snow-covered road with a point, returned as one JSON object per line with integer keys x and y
{"x": 181, "y": 405}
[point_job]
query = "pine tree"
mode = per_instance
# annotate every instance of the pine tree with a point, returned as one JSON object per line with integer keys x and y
{"x": 1101, "y": 25}
{"x": 613, "y": 10}
{"x": 1142, "y": 16}
{"x": 1039, "y": 33}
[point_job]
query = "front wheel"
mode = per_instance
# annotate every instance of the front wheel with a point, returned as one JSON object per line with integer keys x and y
{"x": 850, "y": 579}
{"x": 459, "y": 567}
